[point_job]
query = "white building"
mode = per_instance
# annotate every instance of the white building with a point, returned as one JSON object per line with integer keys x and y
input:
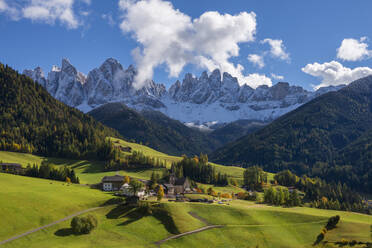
{"x": 127, "y": 191}
{"x": 112, "y": 183}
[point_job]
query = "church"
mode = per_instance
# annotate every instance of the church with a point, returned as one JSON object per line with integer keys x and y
{"x": 177, "y": 185}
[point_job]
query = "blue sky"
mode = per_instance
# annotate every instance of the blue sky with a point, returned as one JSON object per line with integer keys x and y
{"x": 33, "y": 33}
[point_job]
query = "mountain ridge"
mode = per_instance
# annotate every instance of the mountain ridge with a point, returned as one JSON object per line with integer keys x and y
{"x": 327, "y": 137}
{"x": 154, "y": 129}
{"x": 212, "y": 98}
{"x": 32, "y": 121}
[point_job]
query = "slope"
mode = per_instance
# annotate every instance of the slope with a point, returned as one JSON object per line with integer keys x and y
{"x": 316, "y": 135}
{"x": 235, "y": 130}
{"x": 154, "y": 129}
{"x": 32, "y": 121}
{"x": 28, "y": 203}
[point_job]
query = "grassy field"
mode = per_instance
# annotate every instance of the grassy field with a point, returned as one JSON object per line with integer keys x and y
{"x": 147, "y": 151}
{"x": 27, "y": 203}
{"x": 244, "y": 225}
{"x": 91, "y": 172}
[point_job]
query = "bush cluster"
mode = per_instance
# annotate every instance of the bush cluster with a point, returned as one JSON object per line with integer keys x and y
{"x": 83, "y": 225}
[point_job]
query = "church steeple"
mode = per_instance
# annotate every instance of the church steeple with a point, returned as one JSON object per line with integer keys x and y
{"x": 172, "y": 179}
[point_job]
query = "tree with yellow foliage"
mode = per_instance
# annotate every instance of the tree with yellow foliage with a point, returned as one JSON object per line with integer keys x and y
{"x": 126, "y": 180}
{"x": 160, "y": 193}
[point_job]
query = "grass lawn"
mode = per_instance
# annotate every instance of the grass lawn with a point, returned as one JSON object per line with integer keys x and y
{"x": 265, "y": 226}
{"x": 226, "y": 189}
{"x": 231, "y": 171}
{"x": 147, "y": 151}
{"x": 27, "y": 203}
{"x": 89, "y": 172}
{"x": 199, "y": 196}
{"x": 245, "y": 225}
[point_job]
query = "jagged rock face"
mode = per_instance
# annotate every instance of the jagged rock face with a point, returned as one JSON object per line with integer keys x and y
{"x": 37, "y": 74}
{"x": 69, "y": 84}
{"x": 65, "y": 84}
{"x": 108, "y": 83}
{"x": 208, "y": 99}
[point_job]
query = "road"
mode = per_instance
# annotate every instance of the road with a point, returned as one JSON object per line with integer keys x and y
{"x": 187, "y": 233}
{"x": 49, "y": 225}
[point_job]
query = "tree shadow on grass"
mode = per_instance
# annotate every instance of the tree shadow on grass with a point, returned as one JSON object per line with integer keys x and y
{"x": 134, "y": 213}
{"x": 119, "y": 211}
{"x": 64, "y": 232}
{"x": 167, "y": 220}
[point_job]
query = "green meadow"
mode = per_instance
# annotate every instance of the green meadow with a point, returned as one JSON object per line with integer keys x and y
{"x": 91, "y": 172}
{"x": 243, "y": 225}
{"x": 27, "y": 203}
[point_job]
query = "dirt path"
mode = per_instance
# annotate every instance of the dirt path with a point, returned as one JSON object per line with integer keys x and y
{"x": 49, "y": 225}
{"x": 199, "y": 218}
{"x": 210, "y": 226}
{"x": 187, "y": 233}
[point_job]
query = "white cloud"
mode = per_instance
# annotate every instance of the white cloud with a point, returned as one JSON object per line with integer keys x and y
{"x": 108, "y": 17}
{"x": 254, "y": 80}
{"x": 84, "y": 13}
{"x": 48, "y": 11}
{"x": 278, "y": 77}
{"x": 3, "y": 5}
{"x": 277, "y": 49}
{"x": 10, "y": 11}
{"x": 334, "y": 73}
{"x": 256, "y": 60}
{"x": 52, "y": 10}
{"x": 353, "y": 50}
{"x": 168, "y": 36}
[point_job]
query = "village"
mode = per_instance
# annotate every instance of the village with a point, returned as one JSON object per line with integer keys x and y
{"x": 175, "y": 189}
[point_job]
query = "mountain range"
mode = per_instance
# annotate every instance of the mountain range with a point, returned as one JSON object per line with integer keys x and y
{"x": 329, "y": 137}
{"x": 198, "y": 101}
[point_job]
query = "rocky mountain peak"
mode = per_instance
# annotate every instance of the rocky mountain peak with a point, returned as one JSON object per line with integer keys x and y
{"x": 37, "y": 74}
{"x": 204, "y": 99}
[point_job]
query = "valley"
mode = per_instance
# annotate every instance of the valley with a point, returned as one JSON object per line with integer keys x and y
{"x": 224, "y": 157}
{"x": 240, "y": 221}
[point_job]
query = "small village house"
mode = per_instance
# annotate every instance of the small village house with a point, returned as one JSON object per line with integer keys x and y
{"x": 126, "y": 190}
{"x": 112, "y": 183}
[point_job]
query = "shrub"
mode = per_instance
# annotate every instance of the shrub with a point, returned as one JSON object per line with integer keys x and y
{"x": 332, "y": 222}
{"x": 319, "y": 238}
{"x": 83, "y": 225}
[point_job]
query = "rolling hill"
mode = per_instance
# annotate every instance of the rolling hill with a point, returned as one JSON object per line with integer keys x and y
{"x": 32, "y": 121}
{"x": 328, "y": 137}
{"x": 154, "y": 129}
{"x": 241, "y": 222}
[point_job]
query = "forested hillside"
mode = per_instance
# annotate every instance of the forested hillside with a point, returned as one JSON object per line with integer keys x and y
{"x": 32, "y": 121}
{"x": 329, "y": 137}
{"x": 154, "y": 129}
{"x": 234, "y": 130}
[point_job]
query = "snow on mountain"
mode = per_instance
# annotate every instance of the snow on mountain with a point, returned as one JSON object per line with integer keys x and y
{"x": 196, "y": 101}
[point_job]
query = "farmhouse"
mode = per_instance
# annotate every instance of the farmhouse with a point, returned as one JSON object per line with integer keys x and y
{"x": 177, "y": 185}
{"x": 112, "y": 183}
{"x": 11, "y": 168}
{"x": 127, "y": 191}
